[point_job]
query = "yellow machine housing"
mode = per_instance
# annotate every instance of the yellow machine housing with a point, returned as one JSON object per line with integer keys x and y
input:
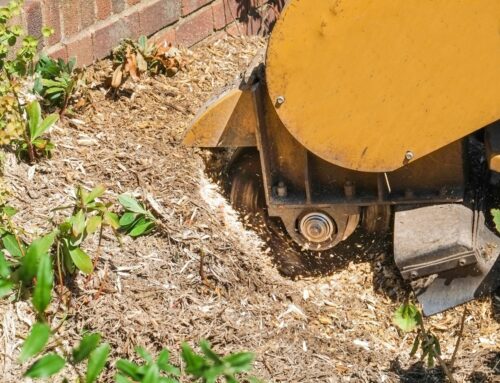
{"x": 365, "y": 108}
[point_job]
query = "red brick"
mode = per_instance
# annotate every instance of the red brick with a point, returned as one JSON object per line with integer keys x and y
{"x": 189, "y": 6}
{"x": 51, "y": 18}
{"x": 118, "y": 6}
{"x": 57, "y": 52}
{"x": 87, "y": 13}
{"x": 104, "y": 8}
{"x": 109, "y": 35}
{"x": 70, "y": 18}
{"x": 33, "y": 16}
{"x": 158, "y": 15}
{"x": 81, "y": 48}
{"x": 223, "y": 14}
{"x": 196, "y": 28}
{"x": 165, "y": 37}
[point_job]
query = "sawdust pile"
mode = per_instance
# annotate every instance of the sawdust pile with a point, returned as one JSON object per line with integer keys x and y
{"x": 208, "y": 276}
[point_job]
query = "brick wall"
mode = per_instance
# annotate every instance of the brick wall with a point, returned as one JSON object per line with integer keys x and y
{"x": 89, "y": 29}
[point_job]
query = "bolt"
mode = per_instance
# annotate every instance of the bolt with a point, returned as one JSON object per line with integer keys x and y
{"x": 413, "y": 274}
{"x": 409, "y": 155}
{"x": 462, "y": 262}
{"x": 349, "y": 189}
{"x": 280, "y": 100}
{"x": 281, "y": 190}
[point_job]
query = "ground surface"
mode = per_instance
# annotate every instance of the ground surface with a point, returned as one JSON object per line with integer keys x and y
{"x": 331, "y": 328}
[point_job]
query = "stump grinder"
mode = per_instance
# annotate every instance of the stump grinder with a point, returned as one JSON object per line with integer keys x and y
{"x": 375, "y": 114}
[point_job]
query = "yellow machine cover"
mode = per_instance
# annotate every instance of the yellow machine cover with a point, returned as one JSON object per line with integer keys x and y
{"x": 371, "y": 84}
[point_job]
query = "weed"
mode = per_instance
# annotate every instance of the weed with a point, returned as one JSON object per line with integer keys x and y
{"x": 136, "y": 220}
{"x": 56, "y": 81}
{"x": 32, "y": 142}
{"x": 133, "y": 58}
{"x": 89, "y": 216}
{"x": 409, "y": 318}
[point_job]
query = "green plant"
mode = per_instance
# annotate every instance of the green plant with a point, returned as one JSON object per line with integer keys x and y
{"x": 89, "y": 216}
{"x": 32, "y": 142}
{"x": 56, "y": 81}
{"x": 495, "y": 213}
{"x": 89, "y": 349}
{"x": 207, "y": 367}
{"x": 408, "y": 318}
{"x": 16, "y": 62}
{"x": 136, "y": 220}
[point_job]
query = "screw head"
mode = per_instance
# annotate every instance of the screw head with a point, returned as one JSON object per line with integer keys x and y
{"x": 409, "y": 155}
{"x": 280, "y": 100}
{"x": 462, "y": 262}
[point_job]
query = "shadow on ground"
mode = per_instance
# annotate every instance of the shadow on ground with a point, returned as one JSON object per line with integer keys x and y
{"x": 488, "y": 372}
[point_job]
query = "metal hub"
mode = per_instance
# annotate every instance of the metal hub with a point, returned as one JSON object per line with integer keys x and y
{"x": 317, "y": 227}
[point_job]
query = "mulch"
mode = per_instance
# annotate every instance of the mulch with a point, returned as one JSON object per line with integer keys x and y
{"x": 205, "y": 274}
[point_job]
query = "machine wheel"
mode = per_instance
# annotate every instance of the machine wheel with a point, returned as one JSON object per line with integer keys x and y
{"x": 247, "y": 196}
{"x": 245, "y": 176}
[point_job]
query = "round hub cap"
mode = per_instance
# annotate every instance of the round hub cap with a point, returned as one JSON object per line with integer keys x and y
{"x": 317, "y": 227}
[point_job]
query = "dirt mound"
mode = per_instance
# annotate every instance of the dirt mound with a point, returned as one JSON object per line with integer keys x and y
{"x": 206, "y": 275}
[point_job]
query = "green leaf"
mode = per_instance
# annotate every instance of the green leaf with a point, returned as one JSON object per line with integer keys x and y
{"x": 37, "y": 249}
{"x": 9, "y": 211}
{"x": 12, "y": 246}
{"x": 416, "y": 343}
{"x": 496, "y": 218}
{"x": 4, "y": 267}
{"x": 407, "y": 317}
{"x": 34, "y": 112}
{"x": 35, "y": 342}
{"x": 164, "y": 365}
{"x": 81, "y": 260}
{"x": 131, "y": 204}
{"x": 122, "y": 379}
{"x": 46, "y": 366}
{"x": 152, "y": 374}
{"x": 97, "y": 361}
{"x": 42, "y": 295}
{"x": 50, "y": 83}
{"x": 111, "y": 219}
{"x": 86, "y": 346}
{"x": 78, "y": 223}
{"x": 194, "y": 363}
{"x": 97, "y": 192}
{"x": 143, "y": 226}
{"x": 127, "y": 218}
{"x": 45, "y": 125}
{"x": 241, "y": 361}
{"x": 47, "y": 31}
{"x": 129, "y": 368}
{"x": 144, "y": 354}
{"x": 207, "y": 350}
{"x": 5, "y": 287}
{"x": 93, "y": 224}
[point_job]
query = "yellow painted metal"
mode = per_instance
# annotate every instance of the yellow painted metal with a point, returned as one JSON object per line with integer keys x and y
{"x": 368, "y": 83}
{"x": 228, "y": 121}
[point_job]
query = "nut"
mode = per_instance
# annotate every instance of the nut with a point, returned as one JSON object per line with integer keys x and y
{"x": 280, "y": 100}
